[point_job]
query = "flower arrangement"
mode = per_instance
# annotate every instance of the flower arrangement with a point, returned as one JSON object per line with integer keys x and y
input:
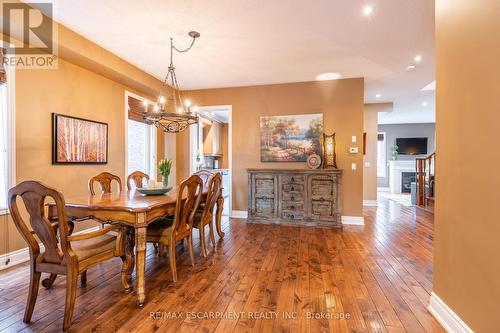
{"x": 165, "y": 165}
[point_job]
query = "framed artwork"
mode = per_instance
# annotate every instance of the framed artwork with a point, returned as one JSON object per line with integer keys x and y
{"x": 78, "y": 141}
{"x": 290, "y": 138}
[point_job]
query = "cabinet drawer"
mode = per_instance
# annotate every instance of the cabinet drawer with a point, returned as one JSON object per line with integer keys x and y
{"x": 293, "y": 206}
{"x": 295, "y": 188}
{"x": 264, "y": 186}
{"x": 322, "y": 209}
{"x": 290, "y": 215}
{"x": 292, "y": 196}
{"x": 264, "y": 206}
{"x": 292, "y": 179}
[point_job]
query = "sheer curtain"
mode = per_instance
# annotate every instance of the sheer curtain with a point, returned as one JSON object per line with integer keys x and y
{"x": 4, "y": 152}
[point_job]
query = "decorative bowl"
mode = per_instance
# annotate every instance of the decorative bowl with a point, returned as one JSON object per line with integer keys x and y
{"x": 154, "y": 191}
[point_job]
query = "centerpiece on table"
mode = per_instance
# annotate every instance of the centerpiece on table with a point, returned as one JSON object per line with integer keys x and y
{"x": 165, "y": 166}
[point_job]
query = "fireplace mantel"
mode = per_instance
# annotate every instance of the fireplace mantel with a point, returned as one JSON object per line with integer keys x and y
{"x": 395, "y": 170}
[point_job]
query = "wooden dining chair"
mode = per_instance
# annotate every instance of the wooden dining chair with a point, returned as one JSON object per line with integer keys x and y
{"x": 63, "y": 253}
{"x": 138, "y": 178}
{"x": 169, "y": 231}
{"x": 105, "y": 179}
{"x": 204, "y": 174}
{"x": 205, "y": 215}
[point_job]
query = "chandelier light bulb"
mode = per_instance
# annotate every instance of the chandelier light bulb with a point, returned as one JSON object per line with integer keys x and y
{"x": 187, "y": 103}
{"x": 156, "y": 108}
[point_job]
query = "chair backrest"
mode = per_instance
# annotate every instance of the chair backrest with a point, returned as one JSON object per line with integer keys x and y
{"x": 34, "y": 194}
{"x": 214, "y": 190}
{"x": 138, "y": 178}
{"x": 104, "y": 179}
{"x": 204, "y": 175}
{"x": 188, "y": 200}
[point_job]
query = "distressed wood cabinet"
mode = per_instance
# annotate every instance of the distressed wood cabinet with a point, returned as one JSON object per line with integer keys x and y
{"x": 294, "y": 196}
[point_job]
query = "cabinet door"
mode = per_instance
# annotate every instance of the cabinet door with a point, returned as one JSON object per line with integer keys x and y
{"x": 323, "y": 198}
{"x": 264, "y": 196}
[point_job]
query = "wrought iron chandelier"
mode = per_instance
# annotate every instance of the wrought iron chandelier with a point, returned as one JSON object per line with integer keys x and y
{"x": 172, "y": 114}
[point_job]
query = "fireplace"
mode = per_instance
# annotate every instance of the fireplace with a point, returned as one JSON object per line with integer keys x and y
{"x": 406, "y": 179}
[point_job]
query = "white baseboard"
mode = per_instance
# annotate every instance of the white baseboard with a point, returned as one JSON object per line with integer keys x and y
{"x": 446, "y": 317}
{"x": 239, "y": 214}
{"x": 371, "y": 203}
{"x": 353, "y": 220}
{"x": 383, "y": 189}
{"x": 23, "y": 255}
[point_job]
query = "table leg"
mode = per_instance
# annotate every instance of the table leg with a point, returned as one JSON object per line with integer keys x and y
{"x": 218, "y": 217}
{"x": 128, "y": 264}
{"x": 140, "y": 263}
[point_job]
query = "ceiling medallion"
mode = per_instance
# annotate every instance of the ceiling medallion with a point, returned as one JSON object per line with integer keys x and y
{"x": 172, "y": 114}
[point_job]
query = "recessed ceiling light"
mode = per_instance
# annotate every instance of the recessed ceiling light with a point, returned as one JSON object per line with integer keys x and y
{"x": 424, "y": 104}
{"x": 418, "y": 58}
{"x": 378, "y": 95}
{"x": 411, "y": 67}
{"x": 328, "y": 76}
{"x": 368, "y": 10}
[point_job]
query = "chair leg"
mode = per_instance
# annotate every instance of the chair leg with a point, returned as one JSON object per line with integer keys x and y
{"x": 202, "y": 240}
{"x": 212, "y": 236}
{"x": 71, "y": 283}
{"x": 190, "y": 248}
{"x": 160, "y": 250}
{"x": 84, "y": 278}
{"x": 48, "y": 282}
{"x": 32, "y": 294}
{"x": 171, "y": 257}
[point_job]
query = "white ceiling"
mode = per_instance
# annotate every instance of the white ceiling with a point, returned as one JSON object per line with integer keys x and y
{"x": 261, "y": 42}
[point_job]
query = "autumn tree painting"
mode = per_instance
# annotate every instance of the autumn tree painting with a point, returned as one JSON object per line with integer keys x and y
{"x": 79, "y": 140}
{"x": 290, "y": 138}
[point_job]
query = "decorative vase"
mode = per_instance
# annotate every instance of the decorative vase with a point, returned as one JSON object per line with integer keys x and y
{"x": 165, "y": 181}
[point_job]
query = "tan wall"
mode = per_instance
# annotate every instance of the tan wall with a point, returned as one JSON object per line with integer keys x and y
{"x": 340, "y": 101}
{"x": 370, "y": 125}
{"x": 93, "y": 88}
{"x": 467, "y": 228}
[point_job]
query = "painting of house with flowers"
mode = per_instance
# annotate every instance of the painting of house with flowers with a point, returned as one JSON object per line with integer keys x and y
{"x": 290, "y": 138}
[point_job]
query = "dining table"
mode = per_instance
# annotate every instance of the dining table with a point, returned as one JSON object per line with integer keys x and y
{"x": 134, "y": 211}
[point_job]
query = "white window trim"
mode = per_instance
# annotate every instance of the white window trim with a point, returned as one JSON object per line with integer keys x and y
{"x": 11, "y": 122}
{"x": 153, "y": 171}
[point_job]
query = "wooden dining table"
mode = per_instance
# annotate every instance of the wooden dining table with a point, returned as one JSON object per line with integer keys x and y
{"x": 134, "y": 211}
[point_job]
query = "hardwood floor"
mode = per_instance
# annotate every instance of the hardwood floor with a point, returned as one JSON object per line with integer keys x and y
{"x": 375, "y": 278}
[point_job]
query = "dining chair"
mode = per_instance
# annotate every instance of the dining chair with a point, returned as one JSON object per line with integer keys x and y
{"x": 64, "y": 253}
{"x": 105, "y": 179}
{"x": 168, "y": 231}
{"x": 204, "y": 174}
{"x": 138, "y": 178}
{"x": 204, "y": 215}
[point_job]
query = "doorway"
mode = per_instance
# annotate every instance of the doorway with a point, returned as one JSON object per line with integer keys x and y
{"x": 210, "y": 146}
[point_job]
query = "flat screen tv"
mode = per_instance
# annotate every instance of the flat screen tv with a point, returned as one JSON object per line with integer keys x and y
{"x": 412, "y": 146}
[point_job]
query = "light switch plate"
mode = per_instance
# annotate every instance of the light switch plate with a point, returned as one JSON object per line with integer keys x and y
{"x": 353, "y": 150}
{"x": 354, "y": 138}
{"x": 353, "y": 166}
{"x": 368, "y": 164}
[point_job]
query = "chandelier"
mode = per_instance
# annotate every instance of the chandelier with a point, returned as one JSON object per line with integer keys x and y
{"x": 172, "y": 114}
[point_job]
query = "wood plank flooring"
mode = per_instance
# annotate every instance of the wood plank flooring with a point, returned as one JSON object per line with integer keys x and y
{"x": 260, "y": 278}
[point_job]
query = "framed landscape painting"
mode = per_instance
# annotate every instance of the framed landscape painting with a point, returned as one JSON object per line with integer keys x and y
{"x": 78, "y": 141}
{"x": 290, "y": 138}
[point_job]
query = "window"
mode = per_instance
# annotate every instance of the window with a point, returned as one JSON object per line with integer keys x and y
{"x": 381, "y": 156}
{"x": 141, "y": 139}
{"x": 7, "y": 134}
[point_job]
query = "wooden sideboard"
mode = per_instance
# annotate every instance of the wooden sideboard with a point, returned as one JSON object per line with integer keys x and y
{"x": 294, "y": 196}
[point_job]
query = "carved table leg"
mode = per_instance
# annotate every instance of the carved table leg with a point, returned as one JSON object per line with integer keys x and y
{"x": 140, "y": 264}
{"x": 218, "y": 218}
{"x": 128, "y": 260}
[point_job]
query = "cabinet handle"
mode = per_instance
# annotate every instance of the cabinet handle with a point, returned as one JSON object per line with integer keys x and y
{"x": 292, "y": 207}
{"x": 292, "y": 198}
{"x": 293, "y": 179}
{"x": 292, "y": 188}
{"x": 292, "y": 217}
